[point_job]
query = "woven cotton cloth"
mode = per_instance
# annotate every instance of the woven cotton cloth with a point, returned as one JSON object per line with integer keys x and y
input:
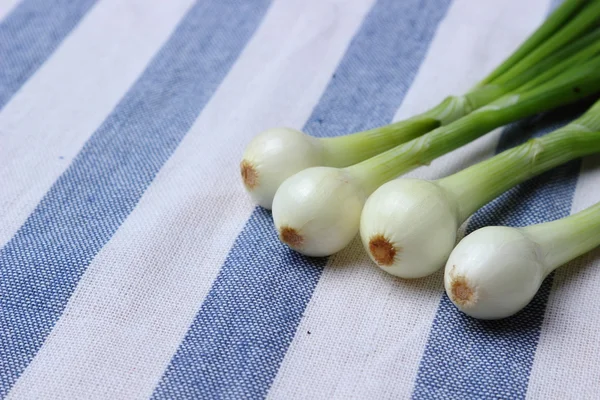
{"x": 133, "y": 265}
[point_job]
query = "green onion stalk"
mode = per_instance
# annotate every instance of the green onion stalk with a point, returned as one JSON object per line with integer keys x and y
{"x": 317, "y": 211}
{"x": 276, "y": 154}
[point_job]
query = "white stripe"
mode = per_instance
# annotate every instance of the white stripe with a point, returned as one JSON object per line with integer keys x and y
{"x": 367, "y": 329}
{"x": 138, "y": 297}
{"x": 6, "y": 6}
{"x": 50, "y": 118}
{"x": 566, "y": 364}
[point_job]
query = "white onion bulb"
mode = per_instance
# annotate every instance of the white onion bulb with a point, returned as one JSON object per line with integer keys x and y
{"x": 272, "y": 157}
{"x": 317, "y": 211}
{"x": 494, "y": 272}
{"x": 408, "y": 227}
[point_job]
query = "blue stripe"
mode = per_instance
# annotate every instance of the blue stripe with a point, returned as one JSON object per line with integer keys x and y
{"x": 41, "y": 265}
{"x": 29, "y": 34}
{"x": 470, "y": 359}
{"x": 244, "y": 327}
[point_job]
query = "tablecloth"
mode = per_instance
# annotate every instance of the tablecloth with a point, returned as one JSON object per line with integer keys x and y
{"x": 133, "y": 265}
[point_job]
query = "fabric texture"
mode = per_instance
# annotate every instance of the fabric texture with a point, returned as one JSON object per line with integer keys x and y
{"x": 133, "y": 265}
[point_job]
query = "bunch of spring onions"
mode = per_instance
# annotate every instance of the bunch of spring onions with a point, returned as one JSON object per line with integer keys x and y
{"x": 277, "y": 154}
{"x": 323, "y": 191}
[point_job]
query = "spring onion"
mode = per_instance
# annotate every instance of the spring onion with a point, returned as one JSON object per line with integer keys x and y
{"x": 317, "y": 211}
{"x": 495, "y": 271}
{"x": 276, "y": 154}
{"x": 409, "y": 226}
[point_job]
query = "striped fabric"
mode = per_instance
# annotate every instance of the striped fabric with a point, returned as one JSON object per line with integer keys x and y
{"x": 134, "y": 266}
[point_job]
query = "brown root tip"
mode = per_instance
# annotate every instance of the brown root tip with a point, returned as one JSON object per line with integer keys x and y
{"x": 462, "y": 293}
{"x": 249, "y": 174}
{"x": 291, "y": 237}
{"x": 382, "y": 250}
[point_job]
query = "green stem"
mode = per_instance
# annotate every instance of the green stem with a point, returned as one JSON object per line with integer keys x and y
{"x": 579, "y": 52}
{"x": 349, "y": 149}
{"x": 563, "y": 240}
{"x": 576, "y": 53}
{"x": 569, "y": 21}
{"x": 568, "y": 87}
{"x": 346, "y": 150}
{"x": 475, "y": 186}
